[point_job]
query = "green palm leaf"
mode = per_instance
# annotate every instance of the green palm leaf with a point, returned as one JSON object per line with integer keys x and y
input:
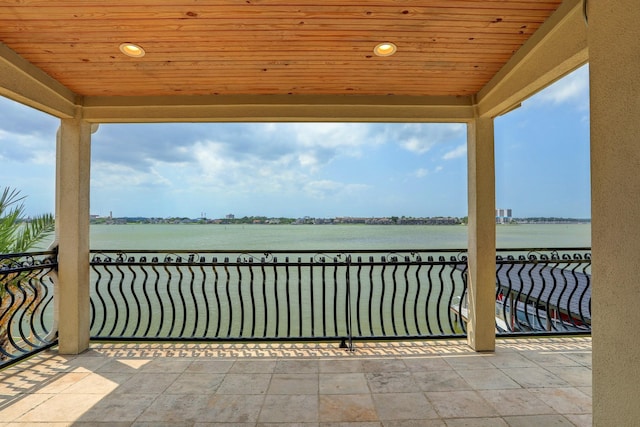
{"x": 16, "y": 233}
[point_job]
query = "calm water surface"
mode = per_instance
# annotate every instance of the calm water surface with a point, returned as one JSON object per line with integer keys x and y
{"x": 324, "y": 237}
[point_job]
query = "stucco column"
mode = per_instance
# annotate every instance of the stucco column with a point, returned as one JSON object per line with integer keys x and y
{"x": 73, "y": 159}
{"x": 614, "y": 57}
{"x": 481, "y": 277}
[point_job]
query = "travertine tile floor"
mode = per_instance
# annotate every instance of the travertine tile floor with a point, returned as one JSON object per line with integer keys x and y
{"x": 526, "y": 382}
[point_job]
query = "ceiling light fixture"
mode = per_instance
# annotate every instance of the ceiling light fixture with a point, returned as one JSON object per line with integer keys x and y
{"x": 385, "y": 49}
{"x": 132, "y": 50}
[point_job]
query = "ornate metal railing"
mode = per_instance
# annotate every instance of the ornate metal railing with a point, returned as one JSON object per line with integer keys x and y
{"x": 333, "y": 295}
{"x": 542, "y": 291}
{"x": 26, "y": 311}
{"x": 277, "y": 295}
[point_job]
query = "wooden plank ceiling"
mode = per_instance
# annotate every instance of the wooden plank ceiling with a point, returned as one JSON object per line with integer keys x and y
{"x": 205, "y": 47}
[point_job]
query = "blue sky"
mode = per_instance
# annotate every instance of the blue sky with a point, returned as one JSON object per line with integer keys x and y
{"x": 314, "y": 169}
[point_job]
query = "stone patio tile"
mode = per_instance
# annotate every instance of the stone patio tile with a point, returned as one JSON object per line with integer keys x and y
{"x": 421, "y": 385}
{"x": 586, "y": 390}
{"x": 175, "y": 408}
{"x": 391, "y": 382}
{"x": 162, "y": 424}
{"x": 146, "y": 383}
{"x": 118, "y": 408}
{"x": 279, "y": 425}
{"x": 582, "y": 357}
{"x": 84, "y": 363}
{"x": 387, "y": 364}
{"x": 219, "y": 425}
{"x": 227, "y": 408}
{"x": 460, "y": 404}
{"x": 538, "y": 421}
{"x": 343, "y": 383}
{"x": 509, "y": 359}
{"x": 403, "y": 406}
{"x": 516, "y": 402}
{"x": 61, "y": 407}
{"x": 420, "y": 364}
{"x": 346, "y": 408}
{"x": 487, "y": 379}
{"x": 69, "y": 424}
{"x": 297, "y": 367}
{"x": 293, "y": 384}
{"x": 210, "y": 366}
{"x": 468, "y": 361}
{"x": 289, "y": 408}
{"x": 575, "y": 376}
{"x": 344, "y": 366}
{"x": 534, "y": 377}
{"x": 61, "y": 382}
{"x": 414, "y": 423}
{"x": 195, "y": 383}
{"x": 477, "y": 422}
{"x": 98, "y": 383}
{"x": 580, "y": 420}
{"x": 448, "y": 380}
{"x": 354, "y": 424}
{"x": 165, "y": 365}
{"x": 244, "y": 384}
{"x": 123, "y": 365}
{"x": 566, "y": 400}
{"x": 253, "y": 367}
{"x": 348, "y": 424}
{"x": 548, "y": 359}
{"x": 22, "y": 404}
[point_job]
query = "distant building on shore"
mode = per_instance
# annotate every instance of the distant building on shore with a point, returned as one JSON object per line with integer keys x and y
{"x": 503, "y": 216}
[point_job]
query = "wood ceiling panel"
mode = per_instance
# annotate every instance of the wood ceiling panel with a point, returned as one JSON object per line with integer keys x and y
{"x": 445, "y": 47}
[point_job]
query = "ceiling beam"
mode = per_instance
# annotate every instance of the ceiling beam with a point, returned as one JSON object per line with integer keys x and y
{"x": 557, "y": 48}
{"x": 277, "y": 108}
{"x": 23, "y": 82}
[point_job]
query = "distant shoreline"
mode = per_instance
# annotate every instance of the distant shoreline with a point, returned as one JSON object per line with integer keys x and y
{"x": 327, "y": 221}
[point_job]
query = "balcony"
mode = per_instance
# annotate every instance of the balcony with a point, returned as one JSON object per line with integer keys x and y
{"x": 283, "y": 337}
{"x": 526, "y": 382}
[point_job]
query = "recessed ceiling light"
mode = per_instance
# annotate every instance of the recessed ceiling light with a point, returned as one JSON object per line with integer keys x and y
{"x": 385, "y": 49}
{"x": 132, "y": 50}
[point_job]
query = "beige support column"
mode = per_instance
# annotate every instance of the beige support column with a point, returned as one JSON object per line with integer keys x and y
{"x": 482, "y": 235}
{"x": 614, "y": 53}
{"x": 73, "y": 161}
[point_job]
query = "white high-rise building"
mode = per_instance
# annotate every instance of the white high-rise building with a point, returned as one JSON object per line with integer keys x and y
{"x": 503, "y": 216}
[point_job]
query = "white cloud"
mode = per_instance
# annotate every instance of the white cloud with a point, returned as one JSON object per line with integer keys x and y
{"x": 457, "y": 152}
{"x": 322, "y": 189}
{"x": 420, "y": 138}
{"x": 571, "y": 88}
{"x": 30, "y": 148}
{"x": 420, "y": 173}
{"x": 419, "y": 146}
{"x": 110, "y": 175}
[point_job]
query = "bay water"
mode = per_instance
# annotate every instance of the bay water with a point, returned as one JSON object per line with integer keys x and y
{"x": 333, "y": 238}
{"x": 328, "y": 237}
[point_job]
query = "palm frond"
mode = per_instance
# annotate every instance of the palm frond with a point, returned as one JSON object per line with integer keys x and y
{"x": 16, "y": 234}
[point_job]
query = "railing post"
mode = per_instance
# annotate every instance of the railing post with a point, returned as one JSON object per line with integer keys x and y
{"x": 348, "y": 284}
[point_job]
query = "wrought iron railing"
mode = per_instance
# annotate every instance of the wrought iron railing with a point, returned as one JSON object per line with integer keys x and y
{"x": 540, "y": 292}
{"x": 27, "y": 322}
{"x": 277, "y": 295}
{"x": 333, "y": 295}
{"x": 544, "y": 291}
